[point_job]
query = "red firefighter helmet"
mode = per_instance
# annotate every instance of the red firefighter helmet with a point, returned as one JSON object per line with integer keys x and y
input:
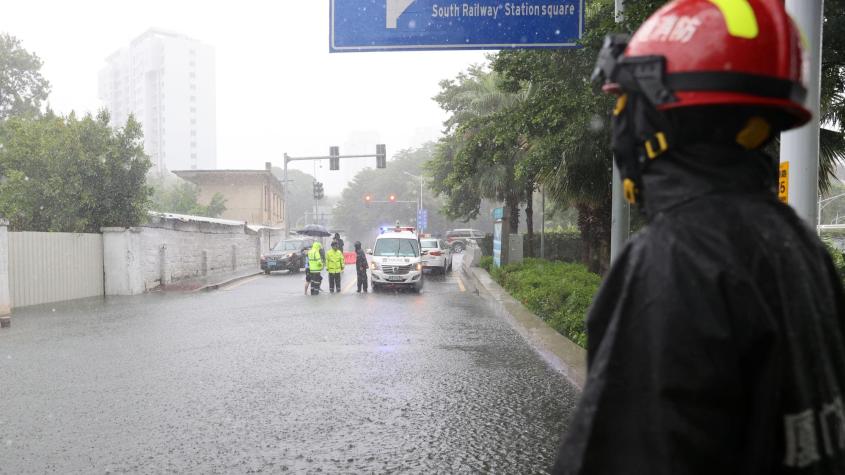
{"x": 720, "y": 52}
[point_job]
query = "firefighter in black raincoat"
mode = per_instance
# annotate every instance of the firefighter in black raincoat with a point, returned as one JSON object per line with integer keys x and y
{"x": 717, "y": 341}
{"x": 361, "y": 266}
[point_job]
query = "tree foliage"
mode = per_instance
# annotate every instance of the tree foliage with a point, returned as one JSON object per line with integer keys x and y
{"x": 22, "y": 88}
{"x": 72, "y": 175}
{"x": 182, "y": 197}
{"x": 482, "y": 155}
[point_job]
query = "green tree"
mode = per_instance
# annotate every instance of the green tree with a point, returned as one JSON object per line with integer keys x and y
{"x": 22, "y": 88}
{"x": 72, "y": 175}
{"x": 481, "y": 155}
{"x": 180, "y": 197}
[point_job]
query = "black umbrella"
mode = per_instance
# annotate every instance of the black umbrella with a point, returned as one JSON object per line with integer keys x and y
{"x": 314, "y": 230}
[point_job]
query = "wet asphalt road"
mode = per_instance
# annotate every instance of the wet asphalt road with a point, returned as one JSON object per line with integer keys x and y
{"x": 257, "y": 377}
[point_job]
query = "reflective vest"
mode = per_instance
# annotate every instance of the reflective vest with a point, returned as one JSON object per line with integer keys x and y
{"x": 334, "y": 261}
{"x": 315, "y": 262}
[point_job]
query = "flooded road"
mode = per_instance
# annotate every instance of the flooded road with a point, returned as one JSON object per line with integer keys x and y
{"x": 257, "y": 377}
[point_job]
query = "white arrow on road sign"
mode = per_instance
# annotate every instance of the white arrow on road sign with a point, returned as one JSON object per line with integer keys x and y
{"x": 394, "y": 9}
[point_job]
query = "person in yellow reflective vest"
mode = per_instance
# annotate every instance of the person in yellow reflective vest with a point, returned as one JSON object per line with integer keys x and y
{"x": 315, "y": 261}
{"x": 334, "y": 265}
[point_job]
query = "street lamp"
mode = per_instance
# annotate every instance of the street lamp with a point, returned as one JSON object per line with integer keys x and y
{"x": 420, "y": 203}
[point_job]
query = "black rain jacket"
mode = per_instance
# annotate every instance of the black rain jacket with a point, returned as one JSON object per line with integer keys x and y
{"x": 717, "y": 341}
{"x": 361, "y": 260}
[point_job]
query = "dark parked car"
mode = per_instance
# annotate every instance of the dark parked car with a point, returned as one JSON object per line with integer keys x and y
{"x": 459, "y": 238}
{"x": 286, "y": 255}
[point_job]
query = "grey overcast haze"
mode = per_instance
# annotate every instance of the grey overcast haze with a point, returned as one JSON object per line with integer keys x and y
{"x": 278, "y": 88}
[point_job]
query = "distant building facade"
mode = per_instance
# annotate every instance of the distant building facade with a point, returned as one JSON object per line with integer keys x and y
{"x": 168, "y": 82}
{"x": 254, "y": 196}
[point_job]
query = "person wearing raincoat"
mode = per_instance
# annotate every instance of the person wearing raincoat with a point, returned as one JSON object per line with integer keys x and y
{"x": 315, "y": 261}
{"x": 361, "y": 266}
{"x": 716, "y": 343}
{"x": 334, "y": 266}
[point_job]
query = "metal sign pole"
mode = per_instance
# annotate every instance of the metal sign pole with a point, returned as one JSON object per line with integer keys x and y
{"x": 285, "y": 200}
{"x": 799, "y": 149}
{"x": 620, "y": 225}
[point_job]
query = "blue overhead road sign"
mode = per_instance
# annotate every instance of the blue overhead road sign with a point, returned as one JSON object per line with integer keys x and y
{"x": 396, "y": 25}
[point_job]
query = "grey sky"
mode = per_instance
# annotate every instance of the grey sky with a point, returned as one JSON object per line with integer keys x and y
{"x": 278, "y": 88}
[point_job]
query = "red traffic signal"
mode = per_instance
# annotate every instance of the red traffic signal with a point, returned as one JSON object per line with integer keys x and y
{"x": 392, "y": 198}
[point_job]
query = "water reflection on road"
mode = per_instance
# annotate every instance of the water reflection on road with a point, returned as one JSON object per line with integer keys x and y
{"x": 259, "y": 377}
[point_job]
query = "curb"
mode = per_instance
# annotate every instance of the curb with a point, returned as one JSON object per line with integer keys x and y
{"x": 210, "y": 287}
{"x": 558, "y": 351}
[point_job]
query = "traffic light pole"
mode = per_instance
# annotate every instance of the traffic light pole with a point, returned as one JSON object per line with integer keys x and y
{"x": 380, "y": 154}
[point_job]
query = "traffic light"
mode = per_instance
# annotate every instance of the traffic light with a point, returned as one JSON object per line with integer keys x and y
{"x": 318, "y": 191}
{"x": 334, "y": 158}
{"x": 392, "y": 198}
{"x": 381, "y": 156}
{"x": 368, "y": 198}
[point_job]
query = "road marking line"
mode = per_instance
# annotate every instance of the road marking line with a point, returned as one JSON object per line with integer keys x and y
{"x": 461, "y": 285}
{"x": 243, "y": 282}
{"x": 348, "y": 286}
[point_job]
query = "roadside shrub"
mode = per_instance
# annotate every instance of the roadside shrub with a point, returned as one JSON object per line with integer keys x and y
{"x": 560, "y": 293}
{"x": 838, "y": 258}
{"x": 486, "y": 263}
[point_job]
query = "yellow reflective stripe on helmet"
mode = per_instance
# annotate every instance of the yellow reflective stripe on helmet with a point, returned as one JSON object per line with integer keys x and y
{"x": 740, "y": 18}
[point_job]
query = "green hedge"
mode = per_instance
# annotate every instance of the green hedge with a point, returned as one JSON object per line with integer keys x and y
{"x": 560, "y": 293}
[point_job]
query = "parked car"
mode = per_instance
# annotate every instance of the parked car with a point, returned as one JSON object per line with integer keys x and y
{"x": 286, "y": 255}
{"x": 396, "y": 261}
{"x": 436, "y": 254}
{"x": 459, "y": 239}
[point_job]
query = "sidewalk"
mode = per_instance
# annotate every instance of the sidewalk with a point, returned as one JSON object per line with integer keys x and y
{"x": 207, "y": 283}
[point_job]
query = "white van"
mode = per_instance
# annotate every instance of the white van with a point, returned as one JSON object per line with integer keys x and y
{"x": 396, "y": 261}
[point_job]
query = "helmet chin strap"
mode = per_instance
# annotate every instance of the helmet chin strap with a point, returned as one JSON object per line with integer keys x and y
{"x": 640, "y": 134}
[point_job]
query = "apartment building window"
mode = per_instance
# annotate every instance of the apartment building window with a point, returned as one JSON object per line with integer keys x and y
{"x": 193, "y": 99}
{"x": 193, "y": 121}
{"x": 193, "y": 145}
{"x": 193, "y": 87}
{"x": 193, "y": 110}
{"x": 192, "y": 75}
{"x": 193, "y": 133}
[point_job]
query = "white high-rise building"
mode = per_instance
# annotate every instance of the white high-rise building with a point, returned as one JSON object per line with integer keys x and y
{"x": 167, "y": 81}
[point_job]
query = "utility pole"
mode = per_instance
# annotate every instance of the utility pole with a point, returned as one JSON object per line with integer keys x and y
{"x": 799, "y": 148}
{"x": 620, "y": 222}
{"x": 542, "y": 222}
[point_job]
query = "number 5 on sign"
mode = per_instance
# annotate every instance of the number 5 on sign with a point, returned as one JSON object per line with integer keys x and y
{"x": 783, "y": 182}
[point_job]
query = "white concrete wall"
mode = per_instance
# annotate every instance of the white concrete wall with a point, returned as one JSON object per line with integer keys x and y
{"x": 171, "y": 251}
{"x": 53, "y": 267}
{"x": 5, "y": 294}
